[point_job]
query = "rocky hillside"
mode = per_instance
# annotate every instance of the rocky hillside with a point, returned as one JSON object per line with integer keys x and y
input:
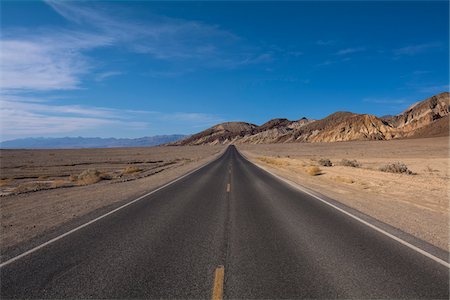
{"x": 424, "y": 119}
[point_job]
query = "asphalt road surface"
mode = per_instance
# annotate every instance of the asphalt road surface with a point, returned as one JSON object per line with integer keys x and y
{"x": 272, "y": 240}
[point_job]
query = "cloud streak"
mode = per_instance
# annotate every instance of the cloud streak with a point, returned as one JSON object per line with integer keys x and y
{"x": 45, "y": 118}
{"x": 416, "y": 49}
{"x": 347, "y": 51}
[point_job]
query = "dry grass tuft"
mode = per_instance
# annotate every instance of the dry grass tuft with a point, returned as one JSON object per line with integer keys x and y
{"x": 313, "y": 170}
{"x": 396, "y": 167}
{"x": 31, "y": 187}
{"x": 325, "y": 162}
{"x": 60, "y": 183}
{"x": 343, "y": 179}
{"x": 5, "y": 181}
{"x": 89, "y": 176}
{"x": 350, "y": 163}
{"x": 131, "y": 170}
{"x": 273, "y": 161}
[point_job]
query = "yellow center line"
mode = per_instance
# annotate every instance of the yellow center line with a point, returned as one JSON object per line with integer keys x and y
{"x": 228, "y": 188}
{"x": 218, "y": 283}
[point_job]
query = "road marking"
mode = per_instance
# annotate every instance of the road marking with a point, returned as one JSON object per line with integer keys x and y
{"x": 228, "y": 188}
{"x": 403, "y": 242}
{"x": 105, "y": 215}
{"x": 217, "y": 293}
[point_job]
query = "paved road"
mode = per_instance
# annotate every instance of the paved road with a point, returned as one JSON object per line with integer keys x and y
{"x": 273, "y": 240}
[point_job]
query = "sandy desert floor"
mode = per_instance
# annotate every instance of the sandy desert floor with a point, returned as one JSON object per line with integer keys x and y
{"x": 417, "y": 204}
{"x": 43, "y": 189}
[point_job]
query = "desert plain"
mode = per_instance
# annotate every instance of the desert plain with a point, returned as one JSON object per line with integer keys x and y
{"x": 44, "y": 192}
{"x": 416, "y": 203}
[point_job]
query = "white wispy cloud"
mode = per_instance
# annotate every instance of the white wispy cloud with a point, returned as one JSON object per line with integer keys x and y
{"x": 433, "y": 89}
{"x": 162, "y": 37}
{"x": 48, "y": 59}
{"x": 350, "y": 50}
{"x": 394, "y": 101}
{"x": 45, "y": 59}
{"x": 325, "y": 42}
{"x": 417, "y": 49}
{"x": 25, "y": 117}
{"x": 105, "y": 75}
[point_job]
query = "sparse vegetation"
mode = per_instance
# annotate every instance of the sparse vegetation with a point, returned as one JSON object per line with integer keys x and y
{"x": 314, "y": 170}
{"x": 89, "y": 176}
{"x": 350, "y": 163}
{"x": 273, "y": 161}
{"x": 131, "y": 170}
{"x": 396, "y": 167}
{"x": 343, "y": 179}
{"x": 325, "y": 162}
{"x": 5, "y": 181}
{"x": 60, "y": 183}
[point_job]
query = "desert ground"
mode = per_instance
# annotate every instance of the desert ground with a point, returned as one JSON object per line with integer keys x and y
{"x": 44, "y": 189}
{"x": 416, "y": 203}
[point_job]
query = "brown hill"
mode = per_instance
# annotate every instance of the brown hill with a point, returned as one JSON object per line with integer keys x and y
{"x": 223, "y": 133}
{"x": 425, "y": 118}
{"x": 345, "y": 126}
{"x": 422, "y": 114}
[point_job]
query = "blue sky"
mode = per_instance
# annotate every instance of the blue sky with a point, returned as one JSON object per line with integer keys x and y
{"x": 131, "y": 69}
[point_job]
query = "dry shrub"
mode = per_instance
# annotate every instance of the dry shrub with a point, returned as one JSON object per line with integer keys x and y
{"x": 43, "y": 177}
{"x": 131, "y": 170}
{"x": 60, "y": 183}
{"x": 313, "y": 170}
{"x": 89, "y": 176}
{"x": 325, "y": 162}
{"x": 272, "y": 161}
{"x": 5, "y": 181}
{"x": 343, "y": 179}
{"x": 31, "y": 187}
{"x": 350, "y": 163}
{"x": 396, "y": 167}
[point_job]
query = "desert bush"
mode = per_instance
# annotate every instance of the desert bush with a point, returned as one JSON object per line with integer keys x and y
{"x": 31, "y": 187}
{"x": 272, "y": 161}
{"x": 5, "y": 181}
{"x": 60, "y": 183}
{"x": 131, "y": 170}
{"x": 89, "y": 176}
{"x": 350, "y": 163}
{"x": 343, "y": 179}
{"x": 313, "y": 170}
{"x": 396, "y": 167}
{"x": 325, "y": 162}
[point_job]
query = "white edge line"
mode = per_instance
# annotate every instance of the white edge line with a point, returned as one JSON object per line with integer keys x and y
{"x": 403, "y": 242}
{"x": 11, "y": 260}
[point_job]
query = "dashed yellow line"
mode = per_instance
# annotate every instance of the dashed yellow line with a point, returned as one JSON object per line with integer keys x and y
{"x": 218, "y": 283}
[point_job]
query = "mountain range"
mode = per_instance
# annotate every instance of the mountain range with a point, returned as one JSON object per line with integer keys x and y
{"x": 82, "y": 142}
{"x": 427, "y": 118}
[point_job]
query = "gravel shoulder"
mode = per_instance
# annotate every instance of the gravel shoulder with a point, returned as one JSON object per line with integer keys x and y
{"x": 27, "y": 215}
{"x": 417, "y": 204}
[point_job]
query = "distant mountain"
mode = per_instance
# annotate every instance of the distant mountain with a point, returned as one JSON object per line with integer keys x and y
{"x": 82, "y": 142}
{"x": 426, "y": 118}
